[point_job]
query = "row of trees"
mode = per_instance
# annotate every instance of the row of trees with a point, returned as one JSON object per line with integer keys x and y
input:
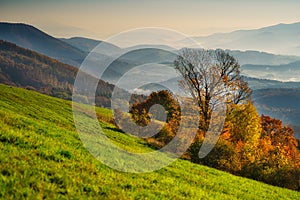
{"x": 253, "y": 146}
{"x": 258, "y": 147}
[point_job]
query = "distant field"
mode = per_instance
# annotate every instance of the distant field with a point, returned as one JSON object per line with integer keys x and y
{"x": 42, "y": 157}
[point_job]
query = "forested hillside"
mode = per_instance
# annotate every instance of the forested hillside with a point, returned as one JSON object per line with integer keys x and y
{"x": 24, "y": 68}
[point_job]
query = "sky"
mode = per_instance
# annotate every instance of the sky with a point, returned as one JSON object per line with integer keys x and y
{"x": 100, "y": 19}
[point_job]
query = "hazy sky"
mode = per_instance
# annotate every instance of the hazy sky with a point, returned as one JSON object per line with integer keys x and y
{"x": 102, "y": 18}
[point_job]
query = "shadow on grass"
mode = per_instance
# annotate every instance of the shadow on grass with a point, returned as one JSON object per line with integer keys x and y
{"x": 115, "y": 129}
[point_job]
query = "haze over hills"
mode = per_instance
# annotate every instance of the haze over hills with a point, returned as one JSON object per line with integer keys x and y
{"x": 73, "y": 50}
{"x": 243, "y": 57}
{"x": 78, "y": 47}
{"x": 285, "y": 72}
{"x": 27, "y": 69}
{"x": 52, "y": 77}
{"x": 149, "y": 53}
{"x": 29, "y": 37}
{"x": 261, "y": 58}
{"x": 87, "y": 45}
{"x": 84, "y": 44}
{"x": 257, "y": 84}
{"x": 279, "y": 39}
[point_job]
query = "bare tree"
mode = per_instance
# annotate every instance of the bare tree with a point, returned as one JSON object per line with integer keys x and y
{"x": 208, "y": 75}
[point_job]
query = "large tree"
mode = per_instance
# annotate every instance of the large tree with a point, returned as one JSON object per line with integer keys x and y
{"x": 210, "y": 76}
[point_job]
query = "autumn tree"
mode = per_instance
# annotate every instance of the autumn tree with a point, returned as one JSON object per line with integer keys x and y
{"x": 243, "y": 130}
{"x": 277, "y": 159}
{"x": 209, "y": 76}
{"x": 140, "y": 114}
{"x": 237, "y": 146}
{"x": 164, "y": 98}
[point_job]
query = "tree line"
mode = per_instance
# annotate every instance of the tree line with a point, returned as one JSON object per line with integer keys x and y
{"x": 253, "y": 146}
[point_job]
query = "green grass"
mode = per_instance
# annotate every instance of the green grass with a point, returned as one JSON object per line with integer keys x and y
{"x": 43, "y": 157}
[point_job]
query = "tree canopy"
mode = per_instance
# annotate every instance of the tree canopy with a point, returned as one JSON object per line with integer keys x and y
{"x": 210, "y": 76}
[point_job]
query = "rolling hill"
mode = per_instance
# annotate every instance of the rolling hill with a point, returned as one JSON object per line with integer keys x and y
{"x": 132, "y": 60}
{"x": 257, "y": 83}
{"x": 24, "y": 68}
{"x": 29, "y": 37}
{"x": 73, "y": 50}
{"x": 84, "y": 44}
{"x": 28, "y": 69}
{"x": 243, "y": 57}
{"x": 42, "y": 157}
{"x": 261, "y": 58}
{"x": 87, "y": 45}
{"x": 280, "y": 103}
{"x": 285, "y": 72}
{"x": 279, "y": 39}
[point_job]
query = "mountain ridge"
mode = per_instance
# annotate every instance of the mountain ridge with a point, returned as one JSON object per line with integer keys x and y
{"x": 87, "y": 44}
{"x": 30, "y": 37}
{"x": 279, "y": 39}
{"x": 28, "y": 69}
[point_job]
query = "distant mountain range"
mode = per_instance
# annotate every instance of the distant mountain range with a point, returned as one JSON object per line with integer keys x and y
{"x": 84, "y": 44}
{"x": 29, "y": 37}
{"x": 87, "y": 45}
{"x": 25, "y": 68}
{"x": 279, "y": 39}
{"x": 257, "y": 84}
{"x": 261, "y": 58}
{"x": 285, "y": 72}
{"x": 243, "y": 57}
{"x": 73, "y": 50}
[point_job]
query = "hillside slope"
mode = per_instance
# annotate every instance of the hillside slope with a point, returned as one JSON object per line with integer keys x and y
{"x": 280, "y": 103}
{"x": 42, "y": 157}
{"x": 84, "y": 44}
{"x": 87, "y": 45}
{"x": 32, "y": 38}
{"x": 24, "y": 68}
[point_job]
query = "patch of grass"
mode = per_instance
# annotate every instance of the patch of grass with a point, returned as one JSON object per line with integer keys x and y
{"x": 42, "y": 157}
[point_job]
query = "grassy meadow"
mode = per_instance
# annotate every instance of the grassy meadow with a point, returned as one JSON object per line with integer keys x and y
{"x": 42, "y": 157}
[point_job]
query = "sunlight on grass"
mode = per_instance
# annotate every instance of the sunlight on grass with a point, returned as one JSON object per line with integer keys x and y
{"x": 42, "y": 156}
